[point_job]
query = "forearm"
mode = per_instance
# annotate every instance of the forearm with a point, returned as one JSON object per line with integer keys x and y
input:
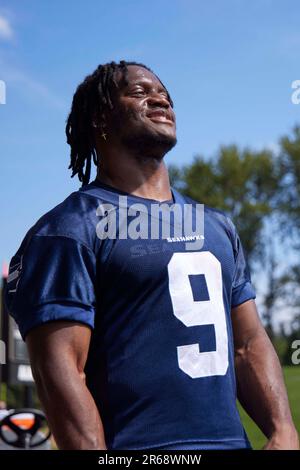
{"x": 260, "y": 385}
{"x": 70, "y": 409}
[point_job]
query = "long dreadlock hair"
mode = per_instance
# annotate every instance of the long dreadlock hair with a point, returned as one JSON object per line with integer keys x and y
{"x": 92, "y": 97}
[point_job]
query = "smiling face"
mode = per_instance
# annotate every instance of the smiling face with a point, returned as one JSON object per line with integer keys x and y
{"x": 143, "y": 118}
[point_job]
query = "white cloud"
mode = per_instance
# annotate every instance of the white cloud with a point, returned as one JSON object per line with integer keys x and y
{"x": 6, "y": 31}
{"x": 27, "y": 84}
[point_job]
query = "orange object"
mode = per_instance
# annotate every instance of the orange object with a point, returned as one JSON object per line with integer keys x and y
{"x": 23, "y": 420}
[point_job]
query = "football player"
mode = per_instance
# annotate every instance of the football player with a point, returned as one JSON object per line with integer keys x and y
{"x": 139, "y": 342}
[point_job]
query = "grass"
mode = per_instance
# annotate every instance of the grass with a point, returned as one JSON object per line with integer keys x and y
{"x": 292, "y": 380}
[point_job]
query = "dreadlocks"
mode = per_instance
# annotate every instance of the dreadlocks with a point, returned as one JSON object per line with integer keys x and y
{"x": 92, "y": 97}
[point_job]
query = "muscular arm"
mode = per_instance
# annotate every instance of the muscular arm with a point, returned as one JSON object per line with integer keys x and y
{"x": 58, "y": 353}
{"x": 260, "y": 385}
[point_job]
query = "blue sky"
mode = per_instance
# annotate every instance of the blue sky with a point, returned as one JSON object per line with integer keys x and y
{"x": 228, "y": 65}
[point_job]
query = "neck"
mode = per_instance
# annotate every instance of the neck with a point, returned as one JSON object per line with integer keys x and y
{"x": 141, "y": 176}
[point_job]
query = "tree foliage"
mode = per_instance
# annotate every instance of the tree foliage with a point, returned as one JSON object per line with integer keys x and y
{"x": 243, "y": 183}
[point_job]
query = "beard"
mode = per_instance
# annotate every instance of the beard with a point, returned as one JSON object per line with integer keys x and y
{"x": 143, "y": 140}
{"x": 149, "y": 144}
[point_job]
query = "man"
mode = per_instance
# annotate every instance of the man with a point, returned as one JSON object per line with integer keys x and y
{"x": 133, "y": 342}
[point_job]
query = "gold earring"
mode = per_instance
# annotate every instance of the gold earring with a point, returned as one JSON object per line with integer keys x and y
{"x": 103, "y": 134}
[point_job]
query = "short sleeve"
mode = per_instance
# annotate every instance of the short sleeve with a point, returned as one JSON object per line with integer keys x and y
{"x": 242, "y": 288}
{"x": 53, "y": 278}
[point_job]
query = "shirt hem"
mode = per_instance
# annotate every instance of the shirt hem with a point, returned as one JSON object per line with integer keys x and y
{"x": 205, "y": 444}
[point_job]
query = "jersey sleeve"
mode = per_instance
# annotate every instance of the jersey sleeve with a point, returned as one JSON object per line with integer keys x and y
{"x": 53, "y": 278}
{"x": 242, "y": 288}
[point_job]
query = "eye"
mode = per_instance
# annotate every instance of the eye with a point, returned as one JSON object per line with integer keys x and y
{"x": 137, "y": 92}
{"x": 164, "y": 94}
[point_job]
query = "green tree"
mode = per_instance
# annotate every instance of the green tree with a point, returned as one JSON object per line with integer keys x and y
{"x": 243, "y": 183}
{"x": 290, "y": 207}
{"x": 290, "y": 185}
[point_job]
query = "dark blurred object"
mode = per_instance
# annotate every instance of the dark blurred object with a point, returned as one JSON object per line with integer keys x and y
{"x": 25, "y": 429}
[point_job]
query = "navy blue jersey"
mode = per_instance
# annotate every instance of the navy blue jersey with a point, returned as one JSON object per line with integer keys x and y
{"x": 161, "y": 359}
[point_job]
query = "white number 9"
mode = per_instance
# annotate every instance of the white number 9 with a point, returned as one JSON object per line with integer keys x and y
{"x": 204, "y": 312}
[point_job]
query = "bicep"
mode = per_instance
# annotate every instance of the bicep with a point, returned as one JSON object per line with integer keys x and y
{"x": 246, "y": 324}
{"x": 57, "y": 346}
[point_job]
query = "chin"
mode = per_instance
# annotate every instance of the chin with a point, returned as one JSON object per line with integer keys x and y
{"x": 151, "y": 143}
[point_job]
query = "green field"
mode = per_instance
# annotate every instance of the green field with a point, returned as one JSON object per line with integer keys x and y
{"x": 292, "y": 380}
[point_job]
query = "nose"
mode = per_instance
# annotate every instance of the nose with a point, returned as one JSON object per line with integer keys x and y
{"x": 158, "y": 100}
